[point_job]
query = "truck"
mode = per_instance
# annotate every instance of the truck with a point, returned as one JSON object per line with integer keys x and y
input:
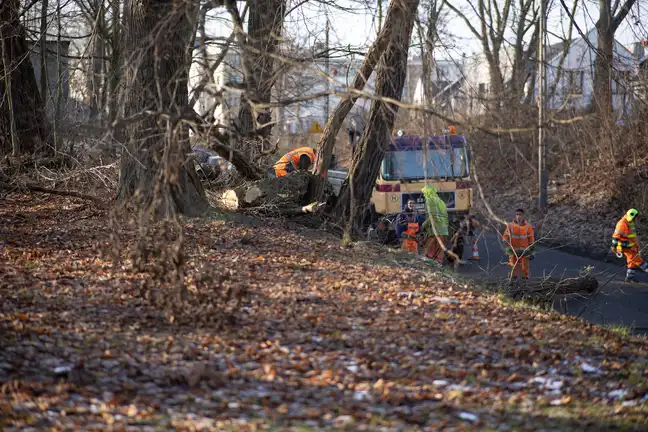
{"x": 402, "y": 175}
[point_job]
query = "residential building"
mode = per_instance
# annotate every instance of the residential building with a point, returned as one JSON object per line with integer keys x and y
{"x": 309, "y": 85}
{"x": 574, "y": 79}
{"x": 227, "y": 78}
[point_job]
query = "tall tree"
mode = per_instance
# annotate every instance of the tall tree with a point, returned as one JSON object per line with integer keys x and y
{"x": 429, "y": 36}
{"x": 327, "y": 141}
{"x": 390, "y": 79}
{"x": 258, "y": 48}
{"x": 23, "y": 124}
{"x": 155, "y": 170}
{"x": 610, "y": 18}
{"x": 494, "y": 18}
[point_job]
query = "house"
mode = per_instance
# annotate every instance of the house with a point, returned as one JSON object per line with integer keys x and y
{"x": 305, "y": 83}
{"x": 446, "y": 77}
{"x": 308, "y": 84}
{"x": 227, "y": 77}
{"x": 56, "y": 68}
{"x": 574, "y": 80}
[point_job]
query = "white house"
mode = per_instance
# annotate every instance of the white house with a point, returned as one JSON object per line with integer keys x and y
{"x": 227, "y": 75}
{"x": 575, "y": 80}
{"x": 308, "y": 84}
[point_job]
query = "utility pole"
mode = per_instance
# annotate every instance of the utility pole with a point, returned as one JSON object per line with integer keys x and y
{"x": 327, "y": 66}
{"x": 542, "y": 81}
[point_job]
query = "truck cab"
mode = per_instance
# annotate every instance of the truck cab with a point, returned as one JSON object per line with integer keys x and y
{"x": 403, "y": 172}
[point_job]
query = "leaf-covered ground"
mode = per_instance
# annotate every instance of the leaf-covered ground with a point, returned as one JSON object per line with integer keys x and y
{"x": 329, "y": 338}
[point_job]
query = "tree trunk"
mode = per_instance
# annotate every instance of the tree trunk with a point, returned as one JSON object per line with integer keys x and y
{"x": 116, "y": 42}
{"x": 357, "y": 189}
{"x": 97, "y": 65}
{"x": 156, "y": 170}
{"x": 602, "y": 102}
{"x": 496, "y": 90}
{"x": 264, "y": 29}
{"x": 23, "y": 124}
{"x": 606, "y": 26}
{"x": 327, "y": 141}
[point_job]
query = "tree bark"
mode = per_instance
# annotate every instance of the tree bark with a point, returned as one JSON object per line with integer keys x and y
{"x": 327, "y": 141}
{"x": 23, "y": 124}
{"x": 357, "y": 189}
{"x": 606, "y": 27}
{"x": 265, "y": 24}
{"x": 156, "y": 171}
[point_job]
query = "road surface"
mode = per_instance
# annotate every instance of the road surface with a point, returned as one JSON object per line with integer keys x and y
{"x": 616, "y": 303}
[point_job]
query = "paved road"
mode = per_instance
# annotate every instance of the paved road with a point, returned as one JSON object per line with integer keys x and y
{"x": 615, "y": 303}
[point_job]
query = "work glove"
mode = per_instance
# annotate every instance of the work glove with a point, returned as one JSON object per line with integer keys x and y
{"x": 508, "y": 251}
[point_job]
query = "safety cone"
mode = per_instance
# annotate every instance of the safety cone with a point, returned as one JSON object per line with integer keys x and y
{"x": 475, "y": 251}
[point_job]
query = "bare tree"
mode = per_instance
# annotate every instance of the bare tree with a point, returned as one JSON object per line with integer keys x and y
{"x": 155, "y": 169}
{"x": 494, "y": 19}
{"x": 327, "y": 141}
{"x": 390, "y": 79}
{"x": 23, "y": 125}
{"x": 258, "y": 47}
{"x": 429, "y": 36}
{"x": 610, "y": 18}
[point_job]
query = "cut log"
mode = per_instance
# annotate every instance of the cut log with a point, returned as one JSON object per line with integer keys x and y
{"x": 553, "y": 286}
{"x": 285, "y": 195}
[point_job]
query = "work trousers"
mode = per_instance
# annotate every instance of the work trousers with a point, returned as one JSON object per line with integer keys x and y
{"x": 633, "y": 258}
{"x": 519, "y": 265}
{"x": 409, "y": 245}
{"x": 433, "y": 248}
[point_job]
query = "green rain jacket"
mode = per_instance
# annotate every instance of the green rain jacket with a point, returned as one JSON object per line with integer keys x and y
{"x": 437, "y": 213}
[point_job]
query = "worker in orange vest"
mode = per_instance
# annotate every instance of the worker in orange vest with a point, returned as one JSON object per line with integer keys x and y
{"x": 408, "y": 227}
{"x": 519, "y": 240}
{"x": 295, "y": 160}
{"x": 625, "y": 242}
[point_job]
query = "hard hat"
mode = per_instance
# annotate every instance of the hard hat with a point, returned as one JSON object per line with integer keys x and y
{"x": 631, "y": 214}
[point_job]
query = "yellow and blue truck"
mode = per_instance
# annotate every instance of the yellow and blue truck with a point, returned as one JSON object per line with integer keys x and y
{"x": 403, "y": 172}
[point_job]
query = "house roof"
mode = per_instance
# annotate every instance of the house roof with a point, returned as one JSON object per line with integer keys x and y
{"x": 554, "y": 49}
{"x": 588, "y": 40}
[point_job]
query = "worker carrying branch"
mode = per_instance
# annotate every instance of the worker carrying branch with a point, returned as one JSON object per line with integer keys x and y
{"x": 299, "y": 159}
{"x": 519, "y": 241}
{"x": 436, "y": 225}
{"x": 625, "y": 242}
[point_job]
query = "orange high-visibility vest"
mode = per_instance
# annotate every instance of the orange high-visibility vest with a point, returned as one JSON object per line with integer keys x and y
{"x": 409, "y": 244}
{"x": 519, "y": 236}
{"x": 625, "y": 231}
{"x": 290, "y": 161}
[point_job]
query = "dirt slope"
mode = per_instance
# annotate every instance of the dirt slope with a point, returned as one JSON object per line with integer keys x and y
{"x": 331, "y": 338}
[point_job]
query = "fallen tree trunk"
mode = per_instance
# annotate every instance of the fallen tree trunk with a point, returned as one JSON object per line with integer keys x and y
{"x": 555, "y": 286}
{"x": 285, "y": 195}
{"x": 550, "y": 287}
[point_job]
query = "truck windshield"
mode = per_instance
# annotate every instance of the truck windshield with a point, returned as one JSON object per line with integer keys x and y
{"x": 408, "y": 165}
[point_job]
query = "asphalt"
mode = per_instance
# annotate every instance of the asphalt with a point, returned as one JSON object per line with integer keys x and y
{"x": 615, "y": 303}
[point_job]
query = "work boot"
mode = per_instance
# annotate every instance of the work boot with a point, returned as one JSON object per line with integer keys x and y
{"x": 631, "y": 279}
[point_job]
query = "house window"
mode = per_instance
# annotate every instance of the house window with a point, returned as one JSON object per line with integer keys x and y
{"x": 575, "y": 82}
{"x": 483, "y": 89}
{"x": 235, "y": 79}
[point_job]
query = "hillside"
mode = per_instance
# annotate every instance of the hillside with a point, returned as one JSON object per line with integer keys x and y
{"x": 280, "y": 327}
{"x": 595, "y": 176}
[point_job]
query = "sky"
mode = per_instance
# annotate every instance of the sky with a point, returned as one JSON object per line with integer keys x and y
{"x": 358, "y": 28}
